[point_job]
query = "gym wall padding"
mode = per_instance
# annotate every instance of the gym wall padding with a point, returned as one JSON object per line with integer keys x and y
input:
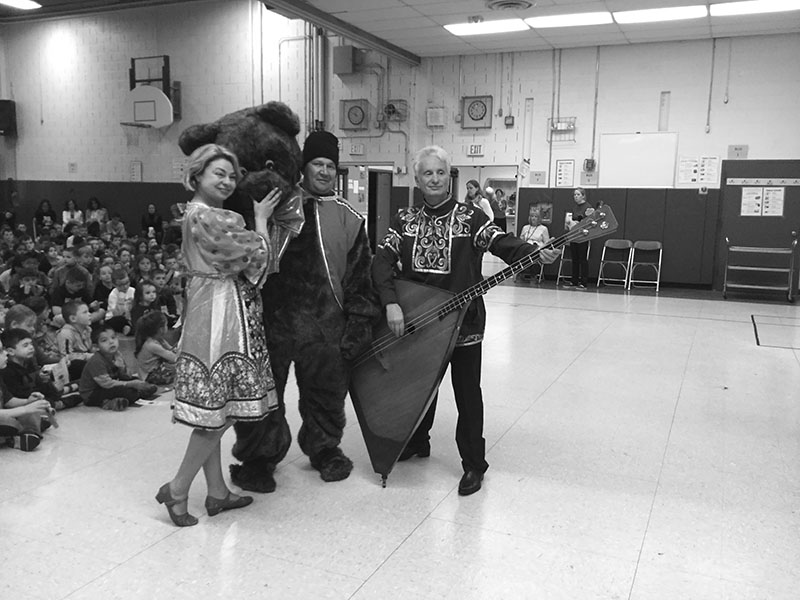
{"x": 682, "y": 219}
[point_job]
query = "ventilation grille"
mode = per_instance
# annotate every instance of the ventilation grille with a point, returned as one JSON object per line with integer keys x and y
{"x": 508, "y": 4}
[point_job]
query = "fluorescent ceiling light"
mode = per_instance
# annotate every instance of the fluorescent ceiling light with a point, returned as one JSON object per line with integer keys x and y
{"x": 574, "y": 20}
{"x": 753, "y": 7}
{"x": 503, "y": 26}
{"x": 654, "y": 15}
{"x": 22, "y": 4}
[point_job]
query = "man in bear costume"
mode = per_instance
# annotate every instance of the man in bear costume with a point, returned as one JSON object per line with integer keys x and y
{"x": 318, "y": 313}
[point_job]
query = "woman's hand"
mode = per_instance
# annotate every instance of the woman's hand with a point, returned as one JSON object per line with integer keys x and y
{"x": 263, "y": 208}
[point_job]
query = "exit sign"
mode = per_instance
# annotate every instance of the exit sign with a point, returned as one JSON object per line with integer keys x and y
{"x": 475, "y": 150}
{"x": 357, "y": 149}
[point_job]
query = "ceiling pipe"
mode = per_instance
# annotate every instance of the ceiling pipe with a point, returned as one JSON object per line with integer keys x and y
{"x": 297, "y": 9}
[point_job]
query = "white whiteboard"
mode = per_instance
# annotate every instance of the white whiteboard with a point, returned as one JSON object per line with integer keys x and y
{"x": 637, "y": 159}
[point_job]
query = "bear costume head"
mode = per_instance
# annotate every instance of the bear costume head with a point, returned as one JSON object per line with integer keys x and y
{"x": 264, "y": 140}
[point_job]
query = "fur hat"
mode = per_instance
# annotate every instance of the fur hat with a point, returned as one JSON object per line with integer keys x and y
{"x": 321, "y": 144}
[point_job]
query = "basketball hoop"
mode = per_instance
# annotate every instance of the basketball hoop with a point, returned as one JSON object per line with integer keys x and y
{"x": 149, "y": 104}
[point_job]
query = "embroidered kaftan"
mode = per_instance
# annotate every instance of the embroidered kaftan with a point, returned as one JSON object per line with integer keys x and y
{"x": 223, "y": 370}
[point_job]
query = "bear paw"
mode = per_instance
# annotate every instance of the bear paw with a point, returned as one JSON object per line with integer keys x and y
{"x": 253, "y": 478}
{"x": 332, "y": 464}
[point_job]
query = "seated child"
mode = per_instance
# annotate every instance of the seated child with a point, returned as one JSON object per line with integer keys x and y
{"x": 143, "y": 268}
{"x": 75, "y": 337}
{"x": 105, "y": 381}
{"x": 155, "y": 357}
{"x": 165, "y": 297}
{"x": 26, "y": 283}
{"x": 177, "y": 286}
{"x": 145, "y": 300}
{"x": 58, "y": 275}
{"x": 120, "y": 302}
{"x": 74, "y": 289}
{"x": 22, "y": 376}
{"x": 103, "y": 286}
{"x": 22, "y": 419}
{"x": 44, "y": 332}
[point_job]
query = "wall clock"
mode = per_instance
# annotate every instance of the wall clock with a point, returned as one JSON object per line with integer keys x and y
{"x": 476, "y": 112}
{"x": 354, "y": 114}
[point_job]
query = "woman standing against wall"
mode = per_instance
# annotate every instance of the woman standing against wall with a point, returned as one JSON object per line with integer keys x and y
{"x": 474, "y": 196}
{"x": 579, "y": 251}
{"x": 497, "y": 201}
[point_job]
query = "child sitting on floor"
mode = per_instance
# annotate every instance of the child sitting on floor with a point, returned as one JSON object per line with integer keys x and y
{"x": 145, "y": 300}
{"x": 165, "y": 297}
{"x": 21, "y": 419}
{"x": 44, "y": 333}
{"x": 22, "y": 376}
{"x": 155, "y": 357}
{"x": 105, "y": 381}
{"x": 120, "y": 302}
{"x": 75, "y": 337}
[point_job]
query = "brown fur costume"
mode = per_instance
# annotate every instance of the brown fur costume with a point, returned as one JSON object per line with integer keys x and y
{"x": 305, "y": 322}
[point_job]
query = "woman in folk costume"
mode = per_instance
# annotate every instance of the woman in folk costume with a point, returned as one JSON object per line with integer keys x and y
{"x": 223, "y": 371}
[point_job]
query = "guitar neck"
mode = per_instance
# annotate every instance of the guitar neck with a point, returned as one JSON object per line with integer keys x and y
{"x": 576, "y": 234}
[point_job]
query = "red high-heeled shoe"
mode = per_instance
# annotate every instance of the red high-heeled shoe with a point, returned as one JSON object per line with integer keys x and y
{"x": 165, "y": 497}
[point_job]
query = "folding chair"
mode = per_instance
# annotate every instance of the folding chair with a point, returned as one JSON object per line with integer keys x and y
{"x": 616, "y": 252}
{"x": 645, "y": 254}
{"x": 566, "y": 258}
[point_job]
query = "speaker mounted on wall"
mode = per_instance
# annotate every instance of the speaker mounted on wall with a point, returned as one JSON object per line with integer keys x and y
{"x": 8, "y": 117}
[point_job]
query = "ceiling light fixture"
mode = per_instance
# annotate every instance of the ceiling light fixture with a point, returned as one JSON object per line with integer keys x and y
{"x": 484, "y": 27}
{"x": 654, "y": 15}
{"x": 574, "y": 20}
{"x": 753, "y": 7}
{"x": 21, "y": 4}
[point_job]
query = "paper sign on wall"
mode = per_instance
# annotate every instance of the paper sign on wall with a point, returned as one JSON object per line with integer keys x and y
{"x": 762, "y": 201}
{"x": 565, "y": 173}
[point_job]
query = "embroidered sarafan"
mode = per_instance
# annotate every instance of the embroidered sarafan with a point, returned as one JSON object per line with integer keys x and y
{"x": 223, "y": 370}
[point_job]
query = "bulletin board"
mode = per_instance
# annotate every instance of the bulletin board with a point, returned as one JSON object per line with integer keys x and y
{"x": 629, "y": 160}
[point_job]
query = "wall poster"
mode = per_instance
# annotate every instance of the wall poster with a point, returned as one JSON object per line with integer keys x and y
{"x": 565, "y": 173}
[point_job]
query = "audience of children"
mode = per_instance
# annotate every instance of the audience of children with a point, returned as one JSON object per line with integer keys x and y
{"x": 66, "y": 293}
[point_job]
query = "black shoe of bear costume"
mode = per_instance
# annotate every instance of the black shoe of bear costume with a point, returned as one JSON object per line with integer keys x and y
{"x": 254, "y": 476}
{"x": 332, "y": 464}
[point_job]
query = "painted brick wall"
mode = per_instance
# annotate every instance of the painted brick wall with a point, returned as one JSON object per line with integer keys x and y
{"x": 69, "y": 78}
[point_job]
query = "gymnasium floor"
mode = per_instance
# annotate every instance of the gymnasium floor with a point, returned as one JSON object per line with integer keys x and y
{"x": 641, "y": 447}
